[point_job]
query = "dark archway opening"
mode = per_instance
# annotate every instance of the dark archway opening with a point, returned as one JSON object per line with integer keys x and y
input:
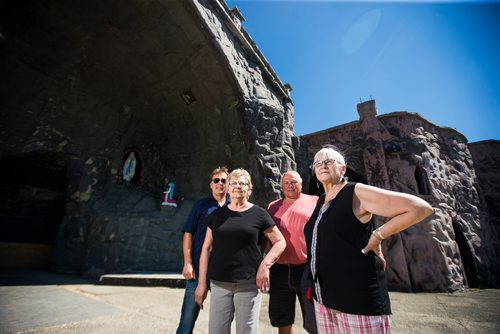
{"x": 352, "y": 176}
{"x": 422, "y": 181}
{"x": 466, "y": 255}
{"x": 315, "y": 188}
{"x": 32, "y": 199}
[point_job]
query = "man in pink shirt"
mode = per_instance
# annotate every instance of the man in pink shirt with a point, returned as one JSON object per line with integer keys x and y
{"x": 289, "y": 273}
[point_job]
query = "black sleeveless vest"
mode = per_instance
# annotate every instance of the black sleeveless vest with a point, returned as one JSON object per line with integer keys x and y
{"x": 351, "y": 282}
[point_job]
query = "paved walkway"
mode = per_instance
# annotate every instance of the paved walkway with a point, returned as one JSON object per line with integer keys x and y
{"x": 42, "y": 302}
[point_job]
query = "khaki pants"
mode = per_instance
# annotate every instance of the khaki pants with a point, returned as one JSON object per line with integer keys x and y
{"x": 228, "y": 300}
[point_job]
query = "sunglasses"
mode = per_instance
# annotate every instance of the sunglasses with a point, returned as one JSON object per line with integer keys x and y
{"x": 216, "y": 180}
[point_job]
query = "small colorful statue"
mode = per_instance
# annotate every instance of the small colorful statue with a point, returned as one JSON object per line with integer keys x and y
{"x": 169, "y": 193}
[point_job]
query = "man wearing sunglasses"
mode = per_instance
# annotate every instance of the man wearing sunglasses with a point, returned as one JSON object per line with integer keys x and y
{"x": 194, "y": 234}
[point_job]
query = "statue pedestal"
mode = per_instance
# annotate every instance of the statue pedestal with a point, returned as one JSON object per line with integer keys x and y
{"x": 168, "y": 210}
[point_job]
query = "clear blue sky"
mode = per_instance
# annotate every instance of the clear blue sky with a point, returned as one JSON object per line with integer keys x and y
{"x": 440, "y": 59}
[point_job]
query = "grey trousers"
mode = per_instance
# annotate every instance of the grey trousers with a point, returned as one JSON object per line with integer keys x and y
{"x": 228, "y": 300}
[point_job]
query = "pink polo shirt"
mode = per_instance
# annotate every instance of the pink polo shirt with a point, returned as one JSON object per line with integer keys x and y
{"x": 290, "y": 218}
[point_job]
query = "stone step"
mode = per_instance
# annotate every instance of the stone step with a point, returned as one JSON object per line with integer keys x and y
{"x": 171, "y": 280}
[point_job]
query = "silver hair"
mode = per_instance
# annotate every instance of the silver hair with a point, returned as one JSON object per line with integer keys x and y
{"x": 330, "y": 152}
{"x": 294, "y": 173}
{"x": 236, "y": 173}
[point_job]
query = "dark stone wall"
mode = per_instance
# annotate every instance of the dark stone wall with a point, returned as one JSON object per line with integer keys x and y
{"x": 87, "y": 81}
{"x": 486, "y": 158}
{"x": 32, "y": 198}
{"x": 267, "y": 117}
{"x": 93, "y": 78}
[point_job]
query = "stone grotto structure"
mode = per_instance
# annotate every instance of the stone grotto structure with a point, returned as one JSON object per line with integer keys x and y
{"x": 86, "y": 83}
{"x": 182, "y": 86}
{"x": 458, "y": 246}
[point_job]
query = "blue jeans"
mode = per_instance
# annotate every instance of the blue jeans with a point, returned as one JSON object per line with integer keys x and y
{"x": 190, "y": 309}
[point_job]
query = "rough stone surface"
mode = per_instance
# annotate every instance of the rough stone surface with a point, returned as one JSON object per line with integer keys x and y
{"x": 486, "y": 157}
{"x": 268, "y": 113}
{"x": 85, "y": 84}
{"x": 455, "y": 248}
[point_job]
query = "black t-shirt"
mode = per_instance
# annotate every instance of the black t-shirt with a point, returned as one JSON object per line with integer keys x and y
{"x": 236, "y": 253}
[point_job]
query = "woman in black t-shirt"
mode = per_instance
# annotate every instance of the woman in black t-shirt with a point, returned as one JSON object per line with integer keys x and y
{"x": 232, "y": 259}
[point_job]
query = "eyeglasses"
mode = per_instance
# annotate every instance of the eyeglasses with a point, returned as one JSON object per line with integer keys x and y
{"x": 217, "y": 180}
{"x": 327, "y": 162}
{"x": 238, "y": 183}
{"x": 288, "y": 183}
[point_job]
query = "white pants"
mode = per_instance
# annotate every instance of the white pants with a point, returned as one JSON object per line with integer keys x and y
{"x": 230, "y": 299}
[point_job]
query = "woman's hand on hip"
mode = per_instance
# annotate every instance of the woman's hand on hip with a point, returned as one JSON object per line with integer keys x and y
{"x": 375, "y": 245}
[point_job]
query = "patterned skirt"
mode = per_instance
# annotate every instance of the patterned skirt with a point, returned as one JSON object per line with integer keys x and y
{"x": 330, "y": 321}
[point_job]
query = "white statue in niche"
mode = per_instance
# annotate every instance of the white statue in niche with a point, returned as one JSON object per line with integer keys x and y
{"x": 169, "y": 193}
{"x": 129, "y": 169}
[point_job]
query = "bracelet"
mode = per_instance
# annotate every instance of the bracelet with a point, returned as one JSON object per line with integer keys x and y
{"x": 378, "y": 234}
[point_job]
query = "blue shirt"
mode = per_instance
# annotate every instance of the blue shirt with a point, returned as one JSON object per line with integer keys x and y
{"x": 195, "y": 224}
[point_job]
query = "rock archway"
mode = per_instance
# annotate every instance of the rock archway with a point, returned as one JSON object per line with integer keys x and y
{"x": 179, "y": 81}
{"x": 32, "y": 193}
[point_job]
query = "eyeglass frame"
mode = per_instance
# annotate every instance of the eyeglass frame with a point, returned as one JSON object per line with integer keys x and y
{"x": 321, "y": 163}
{"x": 238, "y": 183}
{"x": 216, "y": 180}
{"x": 293, "y": 182}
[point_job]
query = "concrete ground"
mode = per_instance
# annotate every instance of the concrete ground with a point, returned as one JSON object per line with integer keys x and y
{"x": 43, "y": 302}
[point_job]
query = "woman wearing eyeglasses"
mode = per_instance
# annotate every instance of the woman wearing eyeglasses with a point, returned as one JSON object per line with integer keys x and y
{"x": 231, "y": 258}
{"x": 344, "y": 247}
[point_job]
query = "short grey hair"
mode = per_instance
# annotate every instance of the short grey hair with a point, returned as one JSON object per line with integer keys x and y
{"x": 294, "y": 173}
{"x": 236, "y": 173}
{"x": 330, "y": 152}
